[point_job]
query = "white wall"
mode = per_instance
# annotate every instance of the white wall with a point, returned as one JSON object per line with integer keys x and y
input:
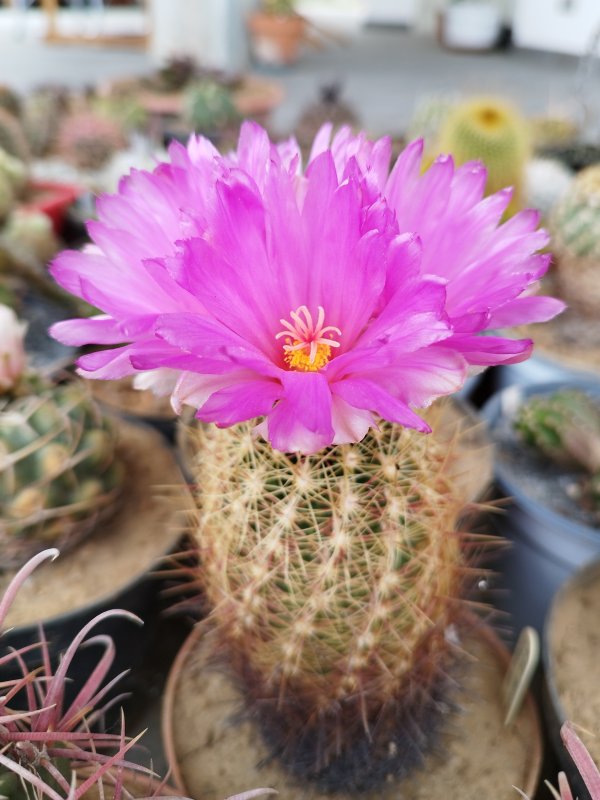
{"x": 564, "y": 26}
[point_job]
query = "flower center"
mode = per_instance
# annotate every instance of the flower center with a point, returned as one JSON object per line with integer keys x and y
{"x": 308, "y": 344}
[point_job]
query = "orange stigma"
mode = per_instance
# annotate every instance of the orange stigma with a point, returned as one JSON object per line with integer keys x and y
{"x": 308, "y": 344}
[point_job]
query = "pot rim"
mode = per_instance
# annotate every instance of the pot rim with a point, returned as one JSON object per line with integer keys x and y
{"x": 481, "y": 628}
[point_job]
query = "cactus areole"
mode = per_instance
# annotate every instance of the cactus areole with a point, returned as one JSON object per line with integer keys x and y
{"x": 309, "y": 313}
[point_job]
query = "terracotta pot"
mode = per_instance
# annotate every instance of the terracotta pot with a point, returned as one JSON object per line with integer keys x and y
{"x": 182, "y": 745}
{"x": 276, "y": 39}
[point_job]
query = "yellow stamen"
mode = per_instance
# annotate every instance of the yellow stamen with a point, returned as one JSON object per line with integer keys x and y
{"x": 308, "y": 349}
{"x": 301, "y": 359}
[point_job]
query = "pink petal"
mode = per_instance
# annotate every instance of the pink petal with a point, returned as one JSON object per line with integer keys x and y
{"x": 240, "y": 401}
{"x": 350, "y": 424}
{"x": 525, "y": 310}
{"x": 301, "y": 420}
{"x": 366, "y": 394}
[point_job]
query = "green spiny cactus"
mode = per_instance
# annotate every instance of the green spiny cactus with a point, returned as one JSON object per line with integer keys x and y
{"x": 58, "y": 468}
{"x": 7, "y": 197}
{"x": 334, "y": 580}
{"x": 10, "y": 100}
{"x": 208, "y": 106}
{"x": 563, "y": 425}
{"x": 491, "y": 131}
{"x": 42, "y": 114}
{"x": 12, "y": 136}
{"x": 575, "y": 225}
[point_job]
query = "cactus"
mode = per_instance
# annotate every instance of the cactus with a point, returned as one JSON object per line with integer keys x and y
{"x": 334, "y": 580}
{"x": 31, "y": 231}
{"x": 329, "y": 108}
{"x": 492, "y": 131}
{"x": 565, "y": 427}
{"x": 16, "y": 172}
{"x": 428, "y": 118}
{"x": 59, "y": 470}
{"x": 89, "y": 140}
{"x": 12, "y": 136}
{"x": 208, "y": 106}
{"x": 575, "y": 225}
{"x": 7, "y": 197}
{"x": 42, "y": 115}
{"x": 551, "y": 132}
{"x": 10, "y": 100}
{"x": 546, "y": 181}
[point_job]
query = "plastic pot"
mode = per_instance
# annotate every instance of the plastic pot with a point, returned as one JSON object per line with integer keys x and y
{"x": 571, "y": 602}
{"x": 52, "y": 199}
{"x": 472, "y": 25}
{"x": 546, "y": 547}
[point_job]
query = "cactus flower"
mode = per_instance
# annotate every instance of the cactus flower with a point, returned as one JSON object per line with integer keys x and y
{"x": 288, "y": 295}
{"x": 12, "y": 349}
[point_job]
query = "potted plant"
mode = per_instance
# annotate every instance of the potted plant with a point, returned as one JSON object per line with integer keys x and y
{"x": 309, "y": 313}
{"x": 570, "y": 654}
{"x": 62, "y": 480}
{"x": 547, "y": 438}
{"x": 471, "y": 25}
{"x": 277, "y": 32}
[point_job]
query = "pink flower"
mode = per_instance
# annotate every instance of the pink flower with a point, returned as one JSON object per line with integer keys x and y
{"x": 267, "y": 291}
{"x": 253, "y": 289}
{"x": 489, "y": 269}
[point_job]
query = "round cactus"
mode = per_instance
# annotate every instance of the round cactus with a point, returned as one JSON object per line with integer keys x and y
{"x": 32, "y": 231}
{"x": 208, "y": 106}
{"x": 577, "y": 243}
{"x": 88, "y": 140}
{"x": 333, "y": 581}
{"x": 42, "y": 115}
{"x": 546, "y": 181}
{"x": 493, "y": 132}
{"x": 58, "y": 468}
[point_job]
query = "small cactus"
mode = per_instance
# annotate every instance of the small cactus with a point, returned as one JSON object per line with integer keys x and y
{"x": 208, "y": 106}
{"x": 32, "y": 232}
{"x": 42, "y": 114}
{"x": 565, "y": 427}
{"x": 547, "y": 180}
{"x": 575, "y": 228}
{"x": 12, "y": 136}
{"x": 88, "y": 140}
{"x": 16, "y": 172}
{"x": 58, "y": 465}
{"x": 334, "y": 581}
{"x": 493, "y": 132}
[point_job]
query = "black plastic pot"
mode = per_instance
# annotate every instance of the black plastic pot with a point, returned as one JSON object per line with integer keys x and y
{"x": 546, "y": 547}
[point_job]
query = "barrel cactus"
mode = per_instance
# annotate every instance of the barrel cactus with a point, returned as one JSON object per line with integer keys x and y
{"x": 576, "y": 238}
{"x": 334, "y": 580}
{"x": 208, "y": 106}
{"x": 58, "y": 467}
{"x": 546, "y": 181}
{"x": 43, "y": 112}
{"x": 88, "y": 140}
{"x": 494, "y": 132}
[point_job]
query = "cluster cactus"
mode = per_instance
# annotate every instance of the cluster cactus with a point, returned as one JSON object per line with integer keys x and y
{"x": 208, "y": 106}
{"x": 494, "y": 132}
{"x": 88, "y": 140}
{"x": 334, "y": 580}
{"x": 565, "y": 427}
{"x": 59, "y": 471}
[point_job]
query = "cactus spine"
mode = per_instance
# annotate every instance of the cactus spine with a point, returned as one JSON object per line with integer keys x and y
{"x": 575, "y": 227}
{"x": 333, "y": 581}
{"x": 491, "y": 131}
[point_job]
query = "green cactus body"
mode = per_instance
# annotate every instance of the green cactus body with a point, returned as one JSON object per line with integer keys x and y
{"x": 208, "y": 106}
{"x": 575, "y": 225}
{"x": 333, "y": 581}
{"x": 7, "y": 197}
{"x": 563, "y": 425}
{"x": 12, "y": 136}
{"x": 58, "y": 469}
{"x": 491, "y": 131}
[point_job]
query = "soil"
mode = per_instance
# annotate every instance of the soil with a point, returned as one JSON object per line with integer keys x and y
{"x": 554, "y": 486}
{"x": 122, "y": 396}
{"x": 574, "y": 644}
{"x": 143, "y": 530}
{"x": 480, "y": 757}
